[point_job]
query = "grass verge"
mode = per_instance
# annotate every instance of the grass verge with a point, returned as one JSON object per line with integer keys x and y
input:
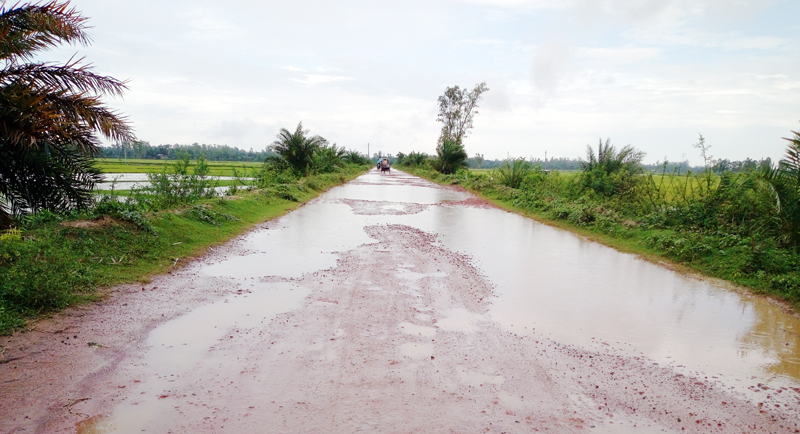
{"x": 69, "y": 261}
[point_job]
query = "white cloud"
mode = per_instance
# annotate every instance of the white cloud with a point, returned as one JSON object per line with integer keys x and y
{"x": 561, "y": 72}
{"x": 618, "y": 55}
{"x": 754, "y": 43}
{"x": 312, "y": 79}
{"x": 480, "y": 41}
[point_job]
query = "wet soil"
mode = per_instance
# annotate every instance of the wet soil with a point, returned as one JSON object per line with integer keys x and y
{"x": 388, "y": 330}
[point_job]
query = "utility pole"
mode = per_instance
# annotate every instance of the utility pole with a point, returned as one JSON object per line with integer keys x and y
{"x": 545, "y": 156}
{"x": 368, "y": 156}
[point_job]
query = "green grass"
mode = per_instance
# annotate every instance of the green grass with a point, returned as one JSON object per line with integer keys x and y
{"x": 66, "y": 262}
{"x": 682, "y": 187}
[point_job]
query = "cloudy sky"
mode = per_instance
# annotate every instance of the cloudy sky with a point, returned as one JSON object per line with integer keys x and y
{"x": 562, "y": 73}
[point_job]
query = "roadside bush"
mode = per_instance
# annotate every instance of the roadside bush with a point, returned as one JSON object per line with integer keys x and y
{"x": 413, "y": 159}
{"x": 328, "y": 159}
{"x": 513, "y": 172}
{"x": 450, "y": 157}
{"x": 47, "y": 279}
{"x": 177, "y": 188}
{"x": 40, "y": 218}
{"x": 270, "y": 175}
{"x": 788, "y": 286}
{"x": 127, "y": 211}
{"x": 356, "y": 158}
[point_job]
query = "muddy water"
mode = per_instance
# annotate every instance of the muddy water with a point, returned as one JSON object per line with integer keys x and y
{"x": 525, "y": 287}
{"x": 554, "y": 282}
{"x": 577, "y": 291}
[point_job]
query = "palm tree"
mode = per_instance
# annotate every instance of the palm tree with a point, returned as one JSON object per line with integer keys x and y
{"x": 49, "y": 114}
{"x": 297, "y": 149}
{"x": 513, "y": 172}
{"x": 784, "y": 187}
{"x": 609, "y": 160}
{"x": 610, "y": 172}
{"x": 354, "y": 157}
{"x": 451, "y": 156}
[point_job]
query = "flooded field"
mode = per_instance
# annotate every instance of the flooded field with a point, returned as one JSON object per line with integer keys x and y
{"x": 392, "y": 304}
{"x": 130, "y": 181}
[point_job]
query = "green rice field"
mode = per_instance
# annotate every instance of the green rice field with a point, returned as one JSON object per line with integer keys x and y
{"x": 218, "y": 168}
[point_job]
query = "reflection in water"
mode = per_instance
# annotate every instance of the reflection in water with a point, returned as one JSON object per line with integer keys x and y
{"x": 774, "y": 333}
{"x": 557, "y": 283}
{"x": 553, "y": 282}
{"x": 577, "y": 291}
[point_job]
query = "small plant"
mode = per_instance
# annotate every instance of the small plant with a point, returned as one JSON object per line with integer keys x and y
{"x": 200, "y": 213}
{"x": 179, "y": 187}
{"x": 10, "y": 235}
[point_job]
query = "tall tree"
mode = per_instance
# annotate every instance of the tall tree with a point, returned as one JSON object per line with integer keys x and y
{"x": 50, "y": 114}
{"x": 457, "y": 108}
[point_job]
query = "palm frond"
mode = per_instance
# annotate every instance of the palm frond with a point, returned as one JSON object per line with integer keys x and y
{"x": 27, "y": 29}
{"x": 50, "y": 115}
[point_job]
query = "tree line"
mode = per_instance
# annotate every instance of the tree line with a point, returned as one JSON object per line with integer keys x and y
{"x": 144, "y": 150}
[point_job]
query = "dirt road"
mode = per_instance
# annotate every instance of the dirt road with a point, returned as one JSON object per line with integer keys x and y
{"x": 384, "y": 330}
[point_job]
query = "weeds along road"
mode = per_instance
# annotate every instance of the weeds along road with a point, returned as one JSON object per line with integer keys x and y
{"x": 395, "y": 305}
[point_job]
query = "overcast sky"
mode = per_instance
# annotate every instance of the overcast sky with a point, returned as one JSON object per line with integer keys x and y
{"x": 562, "y": 73}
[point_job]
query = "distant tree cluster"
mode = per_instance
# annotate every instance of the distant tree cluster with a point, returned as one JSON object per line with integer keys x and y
{"x": 563, "y": 163}
{"x": 144, "y": 150}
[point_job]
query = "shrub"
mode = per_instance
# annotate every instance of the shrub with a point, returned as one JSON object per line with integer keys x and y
{"x": 512, "y": 172}
{"x": 451, "y": 156}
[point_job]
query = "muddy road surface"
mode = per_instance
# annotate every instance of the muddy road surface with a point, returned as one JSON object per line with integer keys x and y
{"x": 393, "y": 305}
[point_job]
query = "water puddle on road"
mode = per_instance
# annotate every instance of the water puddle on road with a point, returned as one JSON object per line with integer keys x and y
{"x": 552, "y": 282}
{"x": 546, "y": 281}
{"x": 189, "y": 344}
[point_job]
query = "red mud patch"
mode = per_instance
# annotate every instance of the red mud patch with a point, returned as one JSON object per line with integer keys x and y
{"x": 474, "y": 202}
{"x": 374, "y": 207}
{"x": 102, "y": 222}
